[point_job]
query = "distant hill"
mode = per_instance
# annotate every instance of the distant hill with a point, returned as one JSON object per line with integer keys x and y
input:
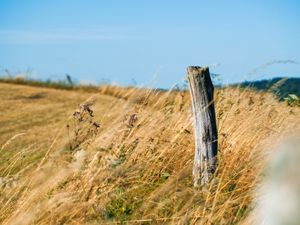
{"x": 280, "y": 86}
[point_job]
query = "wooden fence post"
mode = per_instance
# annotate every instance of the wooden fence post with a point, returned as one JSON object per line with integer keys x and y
{"x": 206, "y": 134}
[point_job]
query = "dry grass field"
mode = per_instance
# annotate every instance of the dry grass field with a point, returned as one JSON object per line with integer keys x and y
{"x": 125, "y": 155}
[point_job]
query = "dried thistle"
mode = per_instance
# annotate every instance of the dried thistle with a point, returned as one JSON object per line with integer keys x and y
{"x": 132, "y": 119}
{"x": 86, "y": 108}
{"x": 84, "y": 125}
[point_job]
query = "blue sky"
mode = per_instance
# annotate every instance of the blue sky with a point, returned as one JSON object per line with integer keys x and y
{"x": 151, "y": 42}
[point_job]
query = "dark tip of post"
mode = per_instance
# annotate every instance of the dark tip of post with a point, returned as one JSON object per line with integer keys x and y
{"x": 196, "y": 70}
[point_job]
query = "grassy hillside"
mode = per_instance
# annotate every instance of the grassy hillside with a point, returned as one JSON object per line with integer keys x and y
{"x": 125, "y": 155}
{"x": 280, "y": 86}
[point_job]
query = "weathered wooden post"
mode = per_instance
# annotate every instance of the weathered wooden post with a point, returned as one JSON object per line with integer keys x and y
{"x": 206, "y": 134}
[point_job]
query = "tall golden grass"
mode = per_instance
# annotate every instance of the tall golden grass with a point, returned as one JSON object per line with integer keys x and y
{"x": 134, "y": 171}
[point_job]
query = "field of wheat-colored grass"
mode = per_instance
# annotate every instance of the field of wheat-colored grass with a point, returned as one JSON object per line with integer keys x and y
{"x": 125, "y": 155}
